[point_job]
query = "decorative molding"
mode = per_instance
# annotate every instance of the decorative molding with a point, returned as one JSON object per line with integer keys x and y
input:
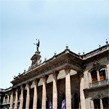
{"x": 100, "y": 95}
{"x": 96, "y": 66}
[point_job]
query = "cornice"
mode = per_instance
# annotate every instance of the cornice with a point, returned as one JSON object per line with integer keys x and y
{"x": 66, "y": 57}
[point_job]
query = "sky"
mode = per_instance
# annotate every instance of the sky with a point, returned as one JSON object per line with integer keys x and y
{"x": 81, "y": 24}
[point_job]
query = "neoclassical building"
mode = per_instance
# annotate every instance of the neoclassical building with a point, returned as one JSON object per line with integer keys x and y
{"x": 67, "y": 80}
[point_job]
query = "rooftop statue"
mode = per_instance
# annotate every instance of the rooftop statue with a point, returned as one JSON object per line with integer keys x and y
{"x": 37, "y": 45}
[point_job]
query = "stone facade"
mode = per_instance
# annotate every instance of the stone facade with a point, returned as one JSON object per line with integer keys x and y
{"x": 81, "y": 80}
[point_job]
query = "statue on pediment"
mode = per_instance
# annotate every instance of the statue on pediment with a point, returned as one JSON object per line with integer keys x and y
{"x": 37, "y": 45}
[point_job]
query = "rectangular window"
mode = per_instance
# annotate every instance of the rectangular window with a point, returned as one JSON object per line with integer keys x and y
{"x": 106, "y": 103}
{"x": 96, "y": 104}
{"x": 102, "y": 74}
{"x": 94, "y": 76}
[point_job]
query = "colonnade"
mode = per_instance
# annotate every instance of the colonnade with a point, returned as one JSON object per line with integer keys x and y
{"x": 44, "y": 93}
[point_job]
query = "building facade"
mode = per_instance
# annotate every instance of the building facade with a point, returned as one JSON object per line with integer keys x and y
{"x": 67, "y": 80}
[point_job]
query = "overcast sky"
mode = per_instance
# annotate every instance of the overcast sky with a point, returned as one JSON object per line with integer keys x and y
{"x": 82, "y": 24}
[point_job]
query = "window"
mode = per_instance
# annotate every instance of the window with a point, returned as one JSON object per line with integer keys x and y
{"x": 102, "y": 74}
{"x": 105, "y": 103}
{"x": 96, "y": 104}
{"x": 94, "y": 76}
{"x": 98, "y": 77}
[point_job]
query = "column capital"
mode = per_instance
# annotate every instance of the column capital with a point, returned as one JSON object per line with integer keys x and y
{"x": 55, "y": 73}
{"x": 36, "y": 81}
{"x": 45, "y": 77}
{"x": 67, "y": 68}
{"x": 28, "y": 85}
{"x": 22, "y": 87}
{"x": 16, "y": 89}
{"x": 80, "y": 74}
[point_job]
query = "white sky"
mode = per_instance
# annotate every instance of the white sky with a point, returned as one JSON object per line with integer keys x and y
{"x": 82, "y": 24}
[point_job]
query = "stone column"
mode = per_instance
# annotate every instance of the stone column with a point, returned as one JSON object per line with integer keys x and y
{"x": 35, "y": 95}
{"x": 101, "y": 104}
{"x": 82, "y": 96}
{"x": 98, "y": 76}
{"x": 90, "y": 78}
{"x": 55, "y": 100}
{"x": 11, "y": 101}
{"x": 28, "y": 96}
{"x": 8, "y": 99}
{"x": 4, "y": 99}
{"x": 107, "y": 72}
{"x": 21, "y": 97}
{"x": 44, "y": 93}
{"x": 92, "y": 104}
{"x": 16, "y": 99}
{"x": 68, "y": 88}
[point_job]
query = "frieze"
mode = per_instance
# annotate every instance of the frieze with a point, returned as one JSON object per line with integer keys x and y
{"x": 47, "y": 71}
{"x": 59, "y": 64}
{"x": 98, "y": 96}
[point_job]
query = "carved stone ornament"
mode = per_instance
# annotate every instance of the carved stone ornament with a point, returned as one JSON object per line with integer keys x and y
{"x": 98, "y": 96}
{"x": 96, "y": 65}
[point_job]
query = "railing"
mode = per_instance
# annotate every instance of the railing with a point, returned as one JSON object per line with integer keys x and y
{"x": 99, "y": 83}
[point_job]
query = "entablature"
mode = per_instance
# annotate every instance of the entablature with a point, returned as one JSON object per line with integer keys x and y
{"x": 49, "y": 66}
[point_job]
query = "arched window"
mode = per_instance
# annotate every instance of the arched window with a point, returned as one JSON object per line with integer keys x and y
{"x": 76, "y": 101}
{"x": 98, "y": 75}
{"x": 94, "y": 76}
{"x": 102, "y": 74}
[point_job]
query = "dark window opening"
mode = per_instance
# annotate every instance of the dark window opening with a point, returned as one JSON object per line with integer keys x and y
{"x": 102, "y": 74}
{"x": 39, "y": 104}
{"x": 76, "y": 101}
{"x": 47, "y": 102}
{"x": 31, "y": 98}
{"x": 24, "y": 96}
{"x": 105, "y": 103}
{"x": 94, "y": 76}
{"x": 19, "y": 94}
{"x": 96, "y": 104}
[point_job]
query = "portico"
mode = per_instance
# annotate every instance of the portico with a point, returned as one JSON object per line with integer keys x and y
{"x": 59, "y": 81}
{"x": 63, "y": 62}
